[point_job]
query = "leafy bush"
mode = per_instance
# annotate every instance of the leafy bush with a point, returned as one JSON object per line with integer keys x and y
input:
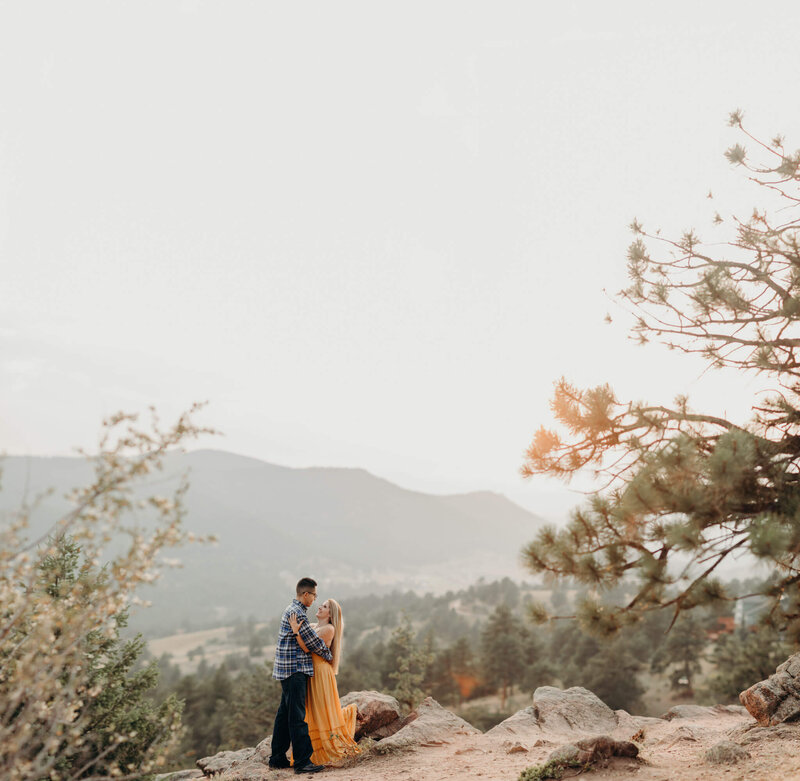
{"x": 68, "y": 706}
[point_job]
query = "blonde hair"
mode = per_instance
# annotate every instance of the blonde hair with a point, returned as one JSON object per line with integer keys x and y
{"x": 337, "y": 622}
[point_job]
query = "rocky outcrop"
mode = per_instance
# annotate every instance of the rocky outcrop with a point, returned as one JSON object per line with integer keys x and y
{"x": 378, "y": 714}
{"x": 777, "y": 699}
{"x": 585, "y": 730}
{"x": 560, "y": 712}
{"x": 429, "y": 725}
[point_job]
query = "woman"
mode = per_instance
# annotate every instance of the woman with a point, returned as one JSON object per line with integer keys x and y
{"x": 330, "y": 727}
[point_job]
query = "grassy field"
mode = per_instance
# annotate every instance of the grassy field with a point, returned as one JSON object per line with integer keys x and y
{"x": 188, "y": 649}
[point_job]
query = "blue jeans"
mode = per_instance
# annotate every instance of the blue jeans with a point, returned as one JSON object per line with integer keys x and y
{"x": 290, "y": 725}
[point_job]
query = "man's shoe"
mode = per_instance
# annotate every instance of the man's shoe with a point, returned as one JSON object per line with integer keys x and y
{"x": 309, "y": 767}
{"x": 279, "y": 765}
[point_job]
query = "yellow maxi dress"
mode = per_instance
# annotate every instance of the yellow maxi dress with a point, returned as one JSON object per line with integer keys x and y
{"x": 330, "y": 727}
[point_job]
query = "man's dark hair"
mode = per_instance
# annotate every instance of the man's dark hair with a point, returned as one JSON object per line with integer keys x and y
{"x": 305, "y": 584}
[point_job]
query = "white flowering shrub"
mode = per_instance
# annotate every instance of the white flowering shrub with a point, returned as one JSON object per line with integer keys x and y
{"x": 64, "y": 675}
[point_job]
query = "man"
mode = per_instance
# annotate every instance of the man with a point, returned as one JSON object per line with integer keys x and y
{"x": 293, "y": 667}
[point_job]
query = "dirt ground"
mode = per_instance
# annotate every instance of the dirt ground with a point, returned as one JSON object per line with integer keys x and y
{"x": 668, "y": 751}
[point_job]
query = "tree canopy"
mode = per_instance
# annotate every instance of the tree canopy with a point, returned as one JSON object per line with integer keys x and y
{"x": 688, "y": 490}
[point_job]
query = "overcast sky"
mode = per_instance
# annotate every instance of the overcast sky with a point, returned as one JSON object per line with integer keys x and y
{"x": 369, "y": 234}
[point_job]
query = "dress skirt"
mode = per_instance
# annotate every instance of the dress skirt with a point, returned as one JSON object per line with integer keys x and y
{"x": 330, "y": 727}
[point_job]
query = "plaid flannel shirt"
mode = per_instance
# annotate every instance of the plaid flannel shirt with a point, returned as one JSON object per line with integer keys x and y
{"x": 290, "y": 658}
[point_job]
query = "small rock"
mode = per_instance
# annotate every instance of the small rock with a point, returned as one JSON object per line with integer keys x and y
{"x": 224, "y": 760}
{"x": 683, "y": 712}
{"x": 514, "y": 748}
{"x": 681, "y": 733}
{"x": 725, "y": 752}
{"x": 604, "y": 747}
{"x": 593, "y": 750}
{"x": 565, "y": 755}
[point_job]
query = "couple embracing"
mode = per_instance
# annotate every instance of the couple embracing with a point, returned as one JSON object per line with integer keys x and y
{"x": 310, "y": 716}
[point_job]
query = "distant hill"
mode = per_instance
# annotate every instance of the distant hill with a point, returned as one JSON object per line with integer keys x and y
{"x": 354, "y": 532}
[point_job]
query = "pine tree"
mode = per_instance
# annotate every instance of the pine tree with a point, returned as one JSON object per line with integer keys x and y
{"x": 608, "y": 667}
{"x": 681, "y": 652}
{"x": 743, "y": 658}
{"x": 361, "y": 668}
{"x": 406, "y": 665}
{"x": 503, "y": 651}
{"x": 612, "y": 674}
{"x": 251, "y": 711}
{"x": 440, "y": 677}
{"x": 120, "y": 704}
{"x": 687, "y": 485}
{"x": 461, "y": 662}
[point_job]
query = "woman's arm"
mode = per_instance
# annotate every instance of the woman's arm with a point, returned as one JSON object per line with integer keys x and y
{"x": 325, "y": 633}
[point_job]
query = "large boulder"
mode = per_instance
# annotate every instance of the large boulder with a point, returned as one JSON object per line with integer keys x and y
{"x": 572, "y": 710}
{"x": 429, "y": 725}
{"x": 378, "y": 714}
{"x": 561, "y": 712}
{"x": 777, "y": 699}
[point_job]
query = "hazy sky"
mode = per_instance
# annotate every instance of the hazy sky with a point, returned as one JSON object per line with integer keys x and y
{"x": 369, "y": 234}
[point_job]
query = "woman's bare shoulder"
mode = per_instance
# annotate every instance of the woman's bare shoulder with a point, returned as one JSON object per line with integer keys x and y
{"x": 326, "y": 632}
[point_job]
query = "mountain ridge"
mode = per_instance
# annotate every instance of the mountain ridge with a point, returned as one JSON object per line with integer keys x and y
{"x": 348, "y": 528}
